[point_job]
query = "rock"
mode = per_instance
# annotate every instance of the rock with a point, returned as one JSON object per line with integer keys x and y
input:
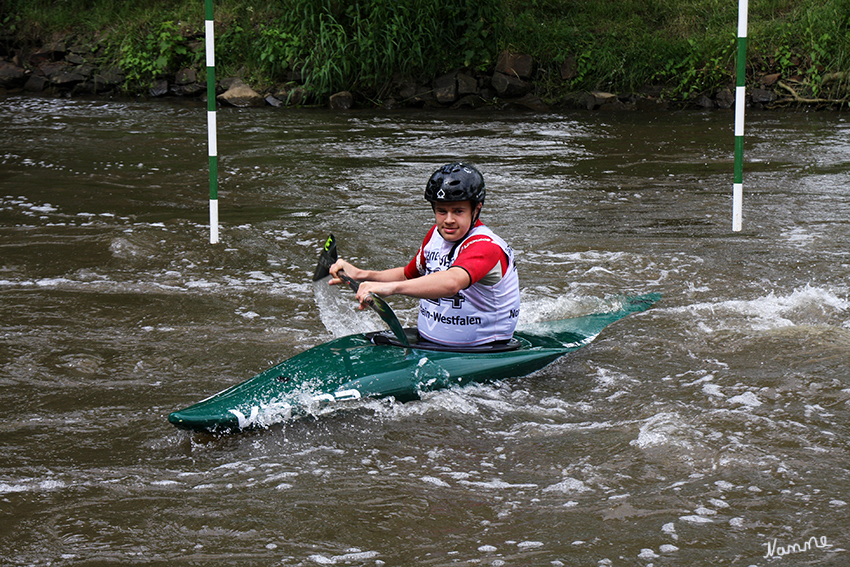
{"x": 487, "y": 93}
{"x": 603, "y": 97}
{"x": 36, "y": 84}
{"x": 79, "y": 49}
{"x": 343, "y": 100}
{"x": 407, "y": 91}
{"x": 532, "y": 102}
{"x": 86, "y": 87}
{"x": 75, "y": 59}
{"x": 67, "y": 80}
{"x": 242, "y": 96}
{"x": 390, "y": 104}
{"x": 86, "y": 71}
{"x": 762, "y": 96}
{"x": 469, "y": 101}
{"x": 296, "y": 97}
{"x": 599, "y": 98}
{"x": 650, "y": 104}
{"x": 724, "y": 99}
{"x": 509, "y": 86}
{"x": 51, "y": 69}
{"x": 771, "y": 79}
{"x": 11, "y": 76}
{"x": 192, "y": 89}
{"x": 592, "y": 100}
{"x": 45, "y": 56}
{"x": 466, "y": 85}
{"x": 230, "y": 82}
{"x": 515, "y": 64}
{"x": 159, "y": 88}
{"x": 615, "y": 104}
{"x": 108, "y": 79}
{"x": 568, "y": 68}
{"x": 704, "y": 102}
{"x": 652, "y": 91}
{"x": 291, "y": 96}
{"x": 445, "y": 88}
{"x": 273, "y": 101}
{"x": 185, "y": 77}
{"x": 424, "y": 96}
{"x": 578, "y": 100}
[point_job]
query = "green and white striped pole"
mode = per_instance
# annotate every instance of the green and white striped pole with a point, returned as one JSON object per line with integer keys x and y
{"x": 740, "y": 104}
{"x": 212, "y": 143}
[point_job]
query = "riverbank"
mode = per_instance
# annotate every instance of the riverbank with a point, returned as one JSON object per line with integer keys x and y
{"x": 66, "y": 71}
{"x": 390, "y": 55}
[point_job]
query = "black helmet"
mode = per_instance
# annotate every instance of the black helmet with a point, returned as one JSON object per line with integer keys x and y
{"x": 455, "y": 182}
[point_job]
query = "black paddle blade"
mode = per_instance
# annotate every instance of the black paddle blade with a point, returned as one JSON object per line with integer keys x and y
{"x": 326, "y": 259}
{"x": 383, "y": 309}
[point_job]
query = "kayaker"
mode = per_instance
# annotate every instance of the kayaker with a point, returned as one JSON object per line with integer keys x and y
{"x": 463, "y": 274}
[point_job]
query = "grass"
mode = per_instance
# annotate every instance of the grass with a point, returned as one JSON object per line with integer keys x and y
{"x": 687, "y": 46}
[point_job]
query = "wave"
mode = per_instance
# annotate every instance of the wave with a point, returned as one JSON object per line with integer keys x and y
{"x": 808, "y": 305}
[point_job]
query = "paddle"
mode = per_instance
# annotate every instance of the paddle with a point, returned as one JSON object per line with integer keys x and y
{"x": 381, "y": 307}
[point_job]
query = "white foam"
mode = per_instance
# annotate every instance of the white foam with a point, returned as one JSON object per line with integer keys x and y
{"x": 436, "y": 481}
{"x": 537, "y": 309}
{"x": 351, "y": 556}
{"x": 746, "y": 399}
{"x": 45, "y": 208}
{"x": 529, "y": 544}
{"x": 696, "y": 520}
{"x": 568, "y": 485}
{"x": 807, "y": 305}
{"x": 659, "y": 430}
{"x": 713, "y": 390}
{"x": 497, "y": 484}
{"x": 339, "y": 311}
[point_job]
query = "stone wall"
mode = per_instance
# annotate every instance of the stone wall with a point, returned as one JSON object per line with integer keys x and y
{"x": 65, "y": 69}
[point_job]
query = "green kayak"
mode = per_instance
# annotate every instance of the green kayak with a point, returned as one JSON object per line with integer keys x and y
{"x": 388, "y": 364}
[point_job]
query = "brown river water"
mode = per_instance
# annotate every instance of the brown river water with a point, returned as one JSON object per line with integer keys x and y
{"x": 710, "y": 430}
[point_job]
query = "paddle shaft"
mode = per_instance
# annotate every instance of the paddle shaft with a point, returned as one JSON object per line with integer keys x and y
{"x": 380, "y": 307}
{"x": 353, "y": 284}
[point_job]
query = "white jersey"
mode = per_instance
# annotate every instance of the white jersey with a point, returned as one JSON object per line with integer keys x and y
{"x": 484, "y": 312}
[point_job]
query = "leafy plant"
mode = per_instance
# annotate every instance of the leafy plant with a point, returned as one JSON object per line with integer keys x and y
{"x": 147, "y": 57}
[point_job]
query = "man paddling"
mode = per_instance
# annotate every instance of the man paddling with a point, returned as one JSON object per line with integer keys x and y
{"x": 463, "y": 273}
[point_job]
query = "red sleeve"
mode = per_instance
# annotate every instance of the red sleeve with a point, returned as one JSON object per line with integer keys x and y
{"x": 479, "y": 255}
{"x": 416, "y": 267}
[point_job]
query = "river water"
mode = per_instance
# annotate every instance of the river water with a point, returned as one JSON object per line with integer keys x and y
{"x": 710, "y": 430}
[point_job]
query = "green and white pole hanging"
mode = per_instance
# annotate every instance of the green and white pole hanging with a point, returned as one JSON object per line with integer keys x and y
{"x": 212, "y": 143}
{"x": 740, "y": 104}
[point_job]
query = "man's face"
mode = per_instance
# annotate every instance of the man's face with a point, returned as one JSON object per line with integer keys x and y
{"x": 454, "y": 219}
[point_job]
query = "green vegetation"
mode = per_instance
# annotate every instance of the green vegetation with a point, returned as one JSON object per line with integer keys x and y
{"x": 684, "y": 46}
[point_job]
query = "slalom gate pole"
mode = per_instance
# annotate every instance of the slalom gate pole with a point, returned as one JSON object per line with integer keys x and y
{"x": 212, "y": 142}
{"x": 740, "y": 104}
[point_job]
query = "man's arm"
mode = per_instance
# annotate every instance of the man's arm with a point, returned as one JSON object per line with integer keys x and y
{"x": 432, "y": 286}
{"x": 355, "y": 273}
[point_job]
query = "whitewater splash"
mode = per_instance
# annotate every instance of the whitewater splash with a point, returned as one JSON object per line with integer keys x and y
{"x": 809, "y": 305}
